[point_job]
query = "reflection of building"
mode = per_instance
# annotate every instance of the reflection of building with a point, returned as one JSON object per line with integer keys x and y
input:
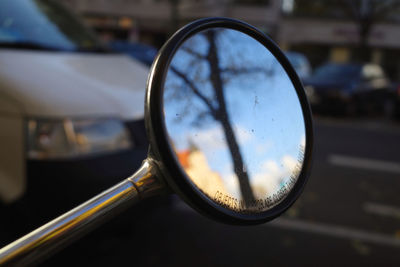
{"x": 196, "y": 166}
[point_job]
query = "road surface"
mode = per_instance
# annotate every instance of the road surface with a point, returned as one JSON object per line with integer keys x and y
{"x": 348, "y": 215}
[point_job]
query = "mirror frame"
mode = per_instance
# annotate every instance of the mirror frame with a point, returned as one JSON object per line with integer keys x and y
{"x": 164, "y": 155}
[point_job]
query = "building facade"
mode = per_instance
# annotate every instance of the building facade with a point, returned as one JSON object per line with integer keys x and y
{"x": 321, "y": 38}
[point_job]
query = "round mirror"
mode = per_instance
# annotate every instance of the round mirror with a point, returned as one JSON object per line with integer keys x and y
{"x": 237, "y": 135}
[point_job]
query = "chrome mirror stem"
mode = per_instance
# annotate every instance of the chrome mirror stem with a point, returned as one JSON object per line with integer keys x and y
{"x": 47, "y": 239}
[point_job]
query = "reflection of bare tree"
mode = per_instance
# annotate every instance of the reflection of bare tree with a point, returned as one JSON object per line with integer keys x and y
{"x": 216, "y": 103}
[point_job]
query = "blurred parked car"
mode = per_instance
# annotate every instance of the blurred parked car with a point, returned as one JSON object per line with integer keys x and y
{"x": 71, "y": 112}
{"x": 300, "y": 64}
{"x": 349, "y": 88}
{"x": 142, "y": 52}
{"x": 396, "y": 96}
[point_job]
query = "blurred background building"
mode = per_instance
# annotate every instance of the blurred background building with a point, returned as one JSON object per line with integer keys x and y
{"x": 339, "y": 31}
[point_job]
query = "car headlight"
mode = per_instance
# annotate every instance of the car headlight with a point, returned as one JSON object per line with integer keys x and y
{"x": 65, "y": 138}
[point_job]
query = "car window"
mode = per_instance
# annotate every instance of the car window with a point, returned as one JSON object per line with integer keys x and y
{"x": 300, "y": 63}
{"x": 296, "y": 59}
{"x": 337, "y": 72}
{"x": 42, "y": 23}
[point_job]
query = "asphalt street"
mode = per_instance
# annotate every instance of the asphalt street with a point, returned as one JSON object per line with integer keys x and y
{"x": 349, "y": 214}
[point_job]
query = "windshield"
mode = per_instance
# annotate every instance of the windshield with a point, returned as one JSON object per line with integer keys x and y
{"x": 336, "y": 72}
{"x": 42, "y": 24}
{"x": 297, "y": 60}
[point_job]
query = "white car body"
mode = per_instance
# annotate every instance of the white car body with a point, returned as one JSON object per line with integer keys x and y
{"x": 50, "y": 84}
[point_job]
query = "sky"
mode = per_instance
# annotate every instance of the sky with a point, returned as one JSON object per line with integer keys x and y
{"x": 263, "y": 107}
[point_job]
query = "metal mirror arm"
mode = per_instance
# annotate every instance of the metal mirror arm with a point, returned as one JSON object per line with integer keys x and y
{"x": 49, "y": 238}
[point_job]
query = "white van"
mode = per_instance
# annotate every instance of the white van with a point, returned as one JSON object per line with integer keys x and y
{"x": 69, "y": 109}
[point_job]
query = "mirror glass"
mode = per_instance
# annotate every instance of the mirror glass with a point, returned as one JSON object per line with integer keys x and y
{"x": 234, "y": 120}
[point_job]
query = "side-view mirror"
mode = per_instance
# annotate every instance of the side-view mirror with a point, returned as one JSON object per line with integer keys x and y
{"x": 230, "y": 132}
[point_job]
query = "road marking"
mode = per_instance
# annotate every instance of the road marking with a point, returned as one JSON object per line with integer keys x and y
{"x": 383, "y": 210}
{"x": 363, "y": 163}
{"x": 388, "y": 127}
{"x": 320, "y": 228}
{"x": 335, "y": 231}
